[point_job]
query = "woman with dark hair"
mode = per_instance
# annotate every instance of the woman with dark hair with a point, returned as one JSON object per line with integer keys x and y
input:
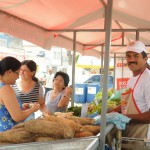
{"x": 11, "y": 109}
{"x": 57, "y": 99}
{"x": 28, "y": 89}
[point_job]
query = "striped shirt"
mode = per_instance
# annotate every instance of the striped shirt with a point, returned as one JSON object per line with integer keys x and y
{"x": 31, "y": 96}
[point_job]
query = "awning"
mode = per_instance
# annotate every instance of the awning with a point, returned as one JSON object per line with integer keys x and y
{"x": 49, "y": 23}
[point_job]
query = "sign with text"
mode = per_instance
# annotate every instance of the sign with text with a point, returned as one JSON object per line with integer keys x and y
{"x": 122, "y": 83}
{"x": 121, "y": 63}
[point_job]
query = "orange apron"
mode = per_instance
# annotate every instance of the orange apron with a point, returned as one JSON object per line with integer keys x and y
{"x": 133, "y": 130}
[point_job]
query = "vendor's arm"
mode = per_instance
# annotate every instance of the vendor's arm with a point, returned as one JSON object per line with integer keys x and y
{"x": 140, "y": 118}
{"x": 117, "y": 109}
{"x": 66, "y": 97}
{"x": 11, "y": 103}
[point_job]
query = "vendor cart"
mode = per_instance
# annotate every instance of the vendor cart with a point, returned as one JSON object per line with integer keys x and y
{"x": 127, "y": 143}
{"x": 135, "y": 143}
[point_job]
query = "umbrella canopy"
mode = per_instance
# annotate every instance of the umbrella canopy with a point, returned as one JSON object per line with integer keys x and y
{"x": 49, "y": 23}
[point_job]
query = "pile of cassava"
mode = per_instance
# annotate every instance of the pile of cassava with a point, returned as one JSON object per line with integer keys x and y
{"x": 50, "y": 127}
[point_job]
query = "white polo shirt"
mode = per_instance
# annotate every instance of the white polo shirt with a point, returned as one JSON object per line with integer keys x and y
{"x": 142, "y": 92}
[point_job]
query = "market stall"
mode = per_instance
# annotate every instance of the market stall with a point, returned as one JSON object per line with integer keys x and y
{"x": 28, "y": 26}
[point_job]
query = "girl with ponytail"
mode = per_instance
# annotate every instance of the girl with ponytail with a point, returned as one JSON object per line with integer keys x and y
{"x": 28, "y": 89}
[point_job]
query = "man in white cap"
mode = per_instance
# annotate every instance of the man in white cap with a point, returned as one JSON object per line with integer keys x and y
{"x": 48, "y": 83}
{"x": 138, "y": 97}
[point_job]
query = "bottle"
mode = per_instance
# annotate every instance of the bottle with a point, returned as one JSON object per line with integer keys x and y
{"x": 124, "y": 107}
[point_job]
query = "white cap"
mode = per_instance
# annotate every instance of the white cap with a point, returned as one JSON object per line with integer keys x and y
{"x": 136, "y": 46}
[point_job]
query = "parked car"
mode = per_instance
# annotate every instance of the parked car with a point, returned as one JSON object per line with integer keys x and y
{"x": 96, "y": 79}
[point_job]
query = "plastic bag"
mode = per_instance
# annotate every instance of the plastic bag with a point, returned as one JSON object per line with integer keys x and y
{"x": 93, "y": 115}
{"x": 116, "y": 95}
{"x": 116, "y": 118}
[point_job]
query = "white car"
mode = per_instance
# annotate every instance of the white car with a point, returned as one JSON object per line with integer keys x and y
{"x": 95, "y": 79}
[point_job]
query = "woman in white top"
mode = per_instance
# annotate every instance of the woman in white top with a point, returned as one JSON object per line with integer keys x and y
{"x": 57, "y": 99}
